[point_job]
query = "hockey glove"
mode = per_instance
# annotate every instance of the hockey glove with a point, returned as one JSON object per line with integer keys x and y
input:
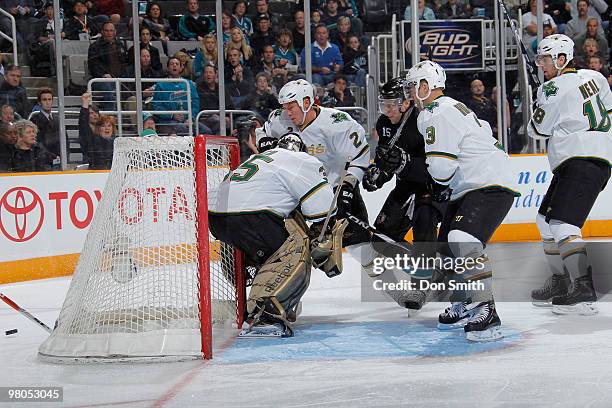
{"x": 375, "y": 178}
{"x": 346, "y": 196}
{"x": 266, "y": 143}
{"x": 391, "y": 159}
{"x": 440, "y": 193}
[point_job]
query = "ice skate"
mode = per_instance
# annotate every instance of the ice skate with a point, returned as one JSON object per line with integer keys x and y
{"x": 579, "y": 300}
{"x": 485, "y": 323}
{"x": 555, "y": 285}
{"x": 456, "y": 315}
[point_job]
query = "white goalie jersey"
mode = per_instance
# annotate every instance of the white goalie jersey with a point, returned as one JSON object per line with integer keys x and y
{"x": 460, "y": 149}
{"x": 276, "y": 181}
{"x": 572, "y": 112}
{"x": 332, "y": 137}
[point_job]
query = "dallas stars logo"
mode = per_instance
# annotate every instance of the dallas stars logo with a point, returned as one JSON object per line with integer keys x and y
{"x": 550, "y": 89}
{"x": 339, "y": 117}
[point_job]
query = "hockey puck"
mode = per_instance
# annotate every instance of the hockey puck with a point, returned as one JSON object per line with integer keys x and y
{"x": 9, "y": 332}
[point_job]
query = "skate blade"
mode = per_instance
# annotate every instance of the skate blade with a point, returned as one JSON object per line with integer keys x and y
{"x": 490, "y": 334}
{"x": 581, "y": 309}
{"x": 542, "y": 303}
{"x": 261, "y": 332}
{"x": 453, "y": 326}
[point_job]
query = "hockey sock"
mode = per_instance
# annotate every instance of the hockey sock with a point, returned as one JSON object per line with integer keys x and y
{"x": 551, "y": 250}
{"x": 481, "y": 277}
{"x": 572, "y": 248}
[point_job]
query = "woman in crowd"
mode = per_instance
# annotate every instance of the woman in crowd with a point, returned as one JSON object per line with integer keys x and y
{"x": 238, "y": 42}
{"x": 29, "y": 155}
{"x": 207, "y": 54}
{"x": 355, "y": 61}
{"x": 159, "y": 26}
{"x": 101, "y": 148}
{"x": 340, "y": 34}
{"x": 240, "y": 19}
{"x": 226, "y": 26}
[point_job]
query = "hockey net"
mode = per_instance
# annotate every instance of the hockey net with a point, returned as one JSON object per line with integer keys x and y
{"x": 151, "y": 281}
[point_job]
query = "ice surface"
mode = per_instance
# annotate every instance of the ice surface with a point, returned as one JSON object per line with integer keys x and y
{"x": 345, "y": 353}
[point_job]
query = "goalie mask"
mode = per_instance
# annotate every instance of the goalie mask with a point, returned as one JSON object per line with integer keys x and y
{"x": 292, "y": 141}
{"x": 428, "y": 71}
{"x": 551, "y": 47}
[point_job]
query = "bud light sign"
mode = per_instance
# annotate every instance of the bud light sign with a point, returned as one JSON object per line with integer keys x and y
{"x": 456, "y": 45}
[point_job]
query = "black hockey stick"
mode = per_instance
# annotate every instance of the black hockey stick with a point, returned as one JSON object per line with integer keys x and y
{"x": 363, "y": 224}
{"x": 532, "y": 69}
{"x": 335, "y": 199}
{"x": 24, "y": 312}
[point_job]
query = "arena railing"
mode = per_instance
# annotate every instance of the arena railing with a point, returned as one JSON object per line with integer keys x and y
{"x": 13, "y": 38}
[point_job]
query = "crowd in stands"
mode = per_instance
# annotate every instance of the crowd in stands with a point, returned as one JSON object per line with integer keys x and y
{"x": 262, "y": 51}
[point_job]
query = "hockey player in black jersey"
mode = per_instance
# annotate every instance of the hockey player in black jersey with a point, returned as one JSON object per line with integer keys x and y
{"x": 401, "y": 153}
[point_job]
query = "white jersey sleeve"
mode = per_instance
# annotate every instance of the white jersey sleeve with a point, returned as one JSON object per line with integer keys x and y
{"x": 442, "y": 137}
{"x": 351, "y": 142}
{"x": 545, "y": 115}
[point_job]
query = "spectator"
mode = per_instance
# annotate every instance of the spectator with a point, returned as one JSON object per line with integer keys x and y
{"x": 23, "y": 12}
{"x": 111, "y": 8}
{"x": 80, "y": 26}
{"x": 146, "y": 68}
{"x": 596, "y": 8}
{"x": 424, "y": 12}
{"x": 595, "y": 63}
{"x": 299, "y": 31}
{"x": 560, "y": 12}
{"x": 578, "y": 24}
{"x": 348, "y": 8}
{"x": 172, "y": 96}
{"x": 46, "y": 122}
{"x": 263, "y": 36}
{"x": 548, "y": 30}
{"x": 41, "y": 48}
{"x": 193, "y": 25}
{"x": 326, "y": 58}
{"x": 187, "y": 63}
{"x": 315, "y": 19}
{"x": 208, "y": 91}
{"x": 262, "y": 8}
{"x": 226, "y": 25}
{"x": 284, "y": 54}
{"x": 145, "y": 44}
{"x": 454, "y": 9}
{"x": 238, "y": 77}
{"x": 589, "y": 48}
{"x": 268, "y": 65}
{"x": 331, "y": 14}
{"x": 262, "y": 99}
{"x": 356, "y": 61}
{"x": 592, "y": 31}
{"x": 206, "y": 54}
{"x": 530, "y": 23}
{"x": 240, "y": 19}
{"x": 9, "y": 115}
{"x": 482, "y": 106}
{"x": 107, "y": 58}
{"x": 28, "y": 154}
{"x": 12, "y": 93}
{"x": 159, "y": 26}
{"x": 340, "y": 34}
{"x": 88, "y": 117}
{"x": 101, "y": 148}
{"x": 148, "y": 125}
{"x": 339, "y": 95}
{"x": 482, "y": 9}
{"x": 239, "y": 42}
{"x": 8, "y": 138}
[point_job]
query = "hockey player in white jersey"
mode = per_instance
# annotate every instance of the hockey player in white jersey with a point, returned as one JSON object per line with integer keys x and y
{"x": 572, "y": 113}
{"x": 331, "y": 136}
{"x": 469, "y": 168}
{"x": 254, "y": 210}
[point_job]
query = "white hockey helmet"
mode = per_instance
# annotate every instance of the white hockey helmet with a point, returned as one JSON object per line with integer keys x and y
{"x": 297, "y": 91}
{"x": 555, "y": 45}
{"x": 292, "y": 141}
{"x": 429, "y": 71}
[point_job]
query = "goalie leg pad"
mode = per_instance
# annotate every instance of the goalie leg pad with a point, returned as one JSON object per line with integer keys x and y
{"x": 327, "y": 255}
{"x": 282, "y": 280}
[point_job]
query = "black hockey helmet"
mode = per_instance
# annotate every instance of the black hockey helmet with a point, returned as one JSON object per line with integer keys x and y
{"x": 292, "y": 141}
{"x": 391, "y": 95}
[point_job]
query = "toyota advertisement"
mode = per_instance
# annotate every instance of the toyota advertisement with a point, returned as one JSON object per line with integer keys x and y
{"x": 457, "y": 45}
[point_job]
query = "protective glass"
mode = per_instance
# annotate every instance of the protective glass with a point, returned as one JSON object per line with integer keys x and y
{"x": 542, "y": 60}
{"x": 409, "y": 90}
{"x": 389, "y": 105}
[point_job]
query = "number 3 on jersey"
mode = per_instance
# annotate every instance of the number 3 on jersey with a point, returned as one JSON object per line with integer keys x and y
{"x": 248, "y": 168}
{"x": 602, "y": 125}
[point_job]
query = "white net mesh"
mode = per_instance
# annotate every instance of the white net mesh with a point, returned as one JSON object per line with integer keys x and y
{"x": 135, "y": 292}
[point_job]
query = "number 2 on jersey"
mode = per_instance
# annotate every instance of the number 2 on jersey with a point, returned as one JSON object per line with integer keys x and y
{"x": 602, "y": 125}
{"x": 249, "y": 168}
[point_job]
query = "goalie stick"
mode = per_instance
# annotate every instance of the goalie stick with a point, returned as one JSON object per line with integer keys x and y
{"x": 532, "y": 69}
{"x": 24, "y": 312}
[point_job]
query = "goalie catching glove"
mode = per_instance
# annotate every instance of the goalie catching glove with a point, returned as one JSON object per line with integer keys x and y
{"x": 391, "y": 159}
{"x": 346, "y": 196}
{"x": 327, "y": 254}
{"x": 375, "y": 178}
